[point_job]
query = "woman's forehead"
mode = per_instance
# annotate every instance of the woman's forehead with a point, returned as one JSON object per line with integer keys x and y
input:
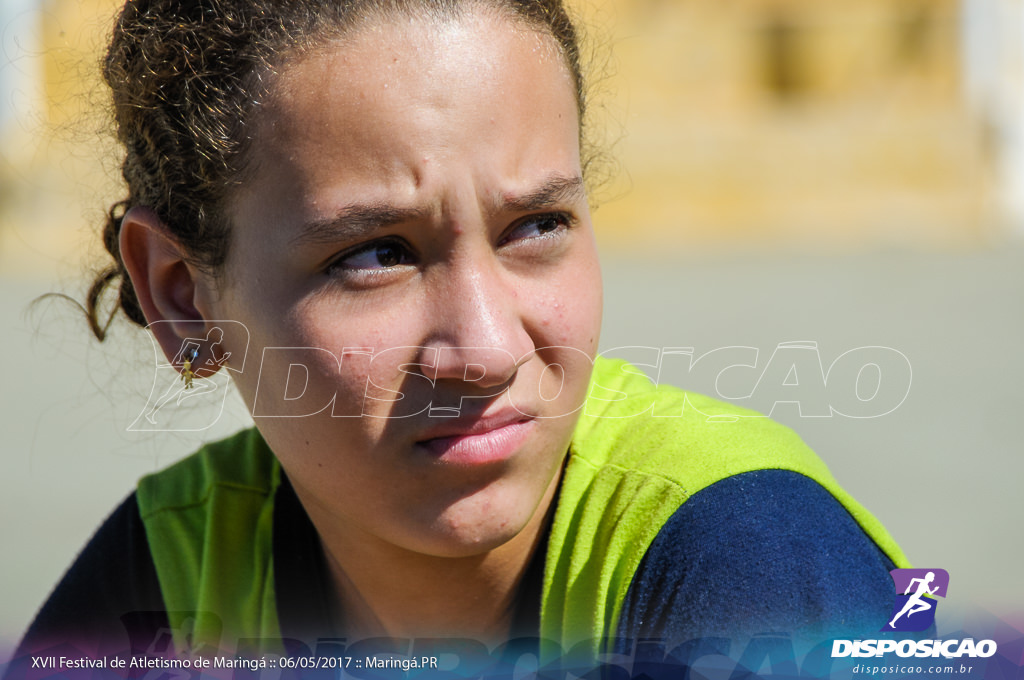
{"x": 395, "y": 102}
{"x": 428, "y": 49}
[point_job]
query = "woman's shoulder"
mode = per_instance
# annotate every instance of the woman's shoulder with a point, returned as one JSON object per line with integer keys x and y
{"x": 241, "y": 462}
{"x": 216, "y": 507}
{"x": 630, "y": 422}
{"x": 769, "y": 550}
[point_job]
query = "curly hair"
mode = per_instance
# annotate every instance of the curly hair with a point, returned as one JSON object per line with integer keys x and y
{"x": 186, "y": 79}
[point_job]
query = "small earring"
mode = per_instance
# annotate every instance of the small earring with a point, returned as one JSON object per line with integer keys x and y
{"x": 186, "y": 369}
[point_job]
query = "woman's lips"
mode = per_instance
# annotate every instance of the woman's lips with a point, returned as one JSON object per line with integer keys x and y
{"x": 479, "y": 442}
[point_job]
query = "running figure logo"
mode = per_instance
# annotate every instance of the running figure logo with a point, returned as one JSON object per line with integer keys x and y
{"x": 916, "y": 590}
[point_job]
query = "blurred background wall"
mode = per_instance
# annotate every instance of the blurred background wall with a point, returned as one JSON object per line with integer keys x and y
{"x": 838, "y": 124}
{"x": 845, "y": 173}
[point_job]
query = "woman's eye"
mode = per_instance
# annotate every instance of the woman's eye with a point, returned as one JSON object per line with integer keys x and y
{"x": 537, "y": 226}
{"x": 376, "y": 256}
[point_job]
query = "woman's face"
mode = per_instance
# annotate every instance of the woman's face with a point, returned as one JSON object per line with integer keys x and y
{"x": 415, "y": 229}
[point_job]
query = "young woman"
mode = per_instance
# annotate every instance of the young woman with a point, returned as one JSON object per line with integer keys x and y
{"x": 381, "y": 205}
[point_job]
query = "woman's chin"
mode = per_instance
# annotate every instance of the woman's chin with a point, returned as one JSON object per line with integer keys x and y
{"x": 477, "y": 526}
{"x": 472, "y": 537}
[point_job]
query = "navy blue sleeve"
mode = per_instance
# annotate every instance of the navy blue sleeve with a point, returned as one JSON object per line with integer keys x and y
{"x": 764, "y": 551}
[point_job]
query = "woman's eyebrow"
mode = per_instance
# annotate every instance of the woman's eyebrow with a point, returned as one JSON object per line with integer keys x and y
{"x": 359, "y": 221}
{"x": 555, "y": 190}
{"x": 354, "y": 222}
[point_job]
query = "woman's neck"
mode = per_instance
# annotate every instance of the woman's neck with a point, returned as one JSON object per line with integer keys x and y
{"x": 383, "y": 590}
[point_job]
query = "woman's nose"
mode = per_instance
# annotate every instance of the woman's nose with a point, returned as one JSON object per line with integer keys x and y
{"x": 478, "y": 327}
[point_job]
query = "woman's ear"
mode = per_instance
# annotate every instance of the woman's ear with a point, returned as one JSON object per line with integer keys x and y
{"x": 170, "y": 290}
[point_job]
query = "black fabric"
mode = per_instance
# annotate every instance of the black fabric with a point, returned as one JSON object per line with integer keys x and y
{"x": 301, "y": 578}
{"x": 764, "y": 551}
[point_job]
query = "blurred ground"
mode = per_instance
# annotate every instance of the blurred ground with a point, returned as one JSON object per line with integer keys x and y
{"x": 942, "y": 471}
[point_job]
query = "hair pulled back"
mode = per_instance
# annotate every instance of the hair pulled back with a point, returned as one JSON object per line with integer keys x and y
{"x": 186, "y": 79}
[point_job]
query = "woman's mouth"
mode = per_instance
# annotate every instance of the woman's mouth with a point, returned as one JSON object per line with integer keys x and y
{"x": 489, "y": 439}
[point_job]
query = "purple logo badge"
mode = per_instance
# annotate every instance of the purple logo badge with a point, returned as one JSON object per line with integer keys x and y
{"x": 916, "y": 590}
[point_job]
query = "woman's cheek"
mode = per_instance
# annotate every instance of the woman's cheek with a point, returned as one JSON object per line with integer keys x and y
{"x": 567, "y": 354}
